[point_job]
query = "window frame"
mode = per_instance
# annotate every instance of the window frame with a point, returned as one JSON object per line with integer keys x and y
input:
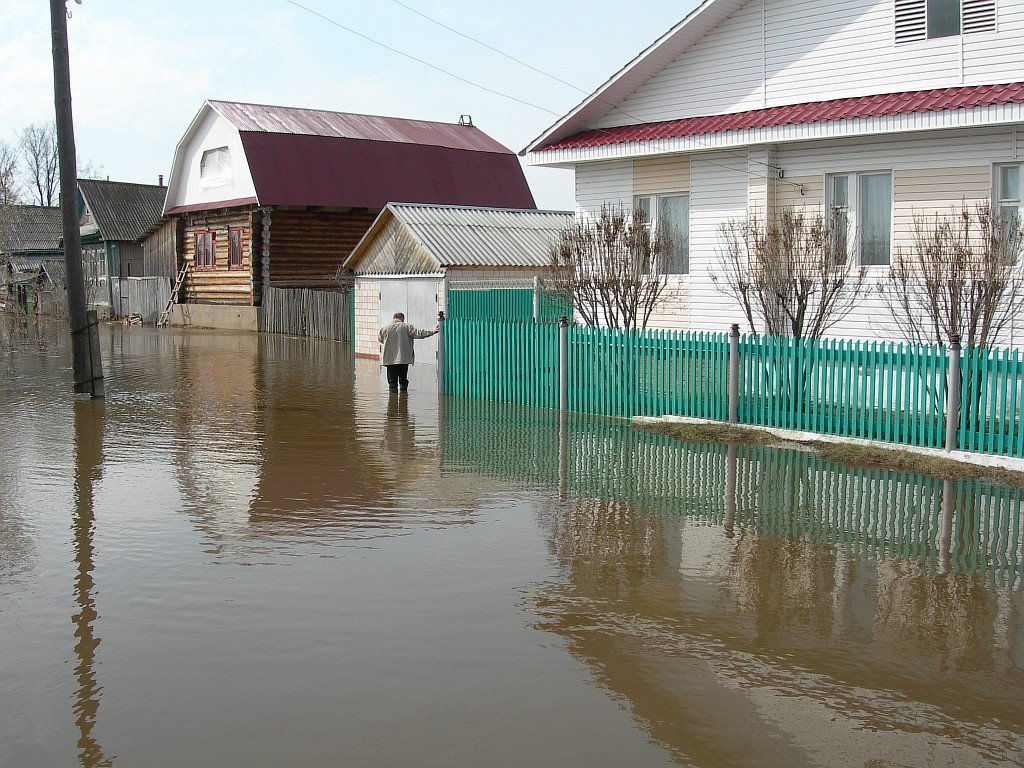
{"x": 653, "y": 204}
{"x": 1000, "y": 203}
{"x": 854, "y": 211}
{"x": 232, "y": 233}
{"x": 205, "y": 257}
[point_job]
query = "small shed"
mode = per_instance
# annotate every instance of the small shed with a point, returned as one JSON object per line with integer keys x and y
{"x": 414, "y": 257}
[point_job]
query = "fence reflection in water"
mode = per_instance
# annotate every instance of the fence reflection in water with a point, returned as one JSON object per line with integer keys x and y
{"x": 793, "y": 494}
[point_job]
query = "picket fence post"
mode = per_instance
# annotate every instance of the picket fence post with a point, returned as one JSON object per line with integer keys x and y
{"x": 734, "y": 374}
{"x": 953, "y": 395}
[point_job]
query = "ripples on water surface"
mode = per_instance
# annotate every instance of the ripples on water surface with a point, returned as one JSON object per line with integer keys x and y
{"x": 251, "y": 555}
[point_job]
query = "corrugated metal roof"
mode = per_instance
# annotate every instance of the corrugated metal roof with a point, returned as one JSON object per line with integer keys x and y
{"x": 796, "y": 114}
{"x": 33, "y": 228}
{"x": 55, "y": 270}
{"x": 264, "y": 118}
{"x": 458, "y": 236}
{"x": 331, "y": 172}
{"x": 25, "y": 263}
{"x": 123, "y": 211}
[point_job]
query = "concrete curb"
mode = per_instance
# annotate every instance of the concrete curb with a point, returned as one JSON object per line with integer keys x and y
{"x": 794, "y": 436}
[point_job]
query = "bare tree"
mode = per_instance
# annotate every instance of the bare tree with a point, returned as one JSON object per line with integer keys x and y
{"x": 41, "y": 177}
{"x": 791, "y": 274}
{"x": 9, "y": 197}
{"x": 961, "y": 277}
{"x": 608, "y": 269}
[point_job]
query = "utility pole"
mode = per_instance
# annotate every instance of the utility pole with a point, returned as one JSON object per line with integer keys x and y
{"x": 85, "y": 346}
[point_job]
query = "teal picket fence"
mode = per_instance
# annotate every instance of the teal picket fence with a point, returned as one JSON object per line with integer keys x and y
{"x": 894, "y": 393}
{"x": 616, "y": 372}
{"x": 506, "y": 361}
{"x": 991, "y": 400}
{"x": 504, "y": 304}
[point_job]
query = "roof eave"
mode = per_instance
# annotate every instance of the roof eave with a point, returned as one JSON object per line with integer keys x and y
{"x": 620, "y": 81}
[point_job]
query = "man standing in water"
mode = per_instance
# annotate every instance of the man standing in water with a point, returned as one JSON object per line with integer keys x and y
{"x": 396, "y": 352}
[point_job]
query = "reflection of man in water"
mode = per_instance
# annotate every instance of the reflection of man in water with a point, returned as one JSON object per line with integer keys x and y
{"x": 396, "y": 352}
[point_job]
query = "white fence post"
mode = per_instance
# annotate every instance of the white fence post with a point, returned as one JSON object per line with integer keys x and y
{"x": 953, "y": 395}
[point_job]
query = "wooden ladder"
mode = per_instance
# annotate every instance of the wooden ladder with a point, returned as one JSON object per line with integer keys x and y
{"x": 166, "y": 314}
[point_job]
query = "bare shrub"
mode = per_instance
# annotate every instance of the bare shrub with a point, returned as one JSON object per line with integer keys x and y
{"x": 791, "y": 273}
{"x": 607, "y": 268}
{"x": 960, "y": 278}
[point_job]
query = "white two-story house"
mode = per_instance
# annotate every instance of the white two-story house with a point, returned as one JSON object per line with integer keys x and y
{"x": 888, "y": 109}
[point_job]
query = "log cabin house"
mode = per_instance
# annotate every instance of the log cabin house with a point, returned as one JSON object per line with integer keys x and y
{"x": 279, "y": 196}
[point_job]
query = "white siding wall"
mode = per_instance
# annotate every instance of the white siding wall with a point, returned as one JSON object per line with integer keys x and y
{"x": 600, "y": 183}
{"x": 187, "y": 188}
{"x": 811, "y": 51}
{"x": 718, "y": 193}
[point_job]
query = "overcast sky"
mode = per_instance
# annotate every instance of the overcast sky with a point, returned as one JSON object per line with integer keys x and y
{"x": 141, "y": 70}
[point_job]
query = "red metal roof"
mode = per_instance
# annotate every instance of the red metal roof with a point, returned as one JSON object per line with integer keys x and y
{"x": 236, "y": 203}
{"x": 346, "y": 125}
{"x": 332, "y": 172}
{"x": 797, "y": 114}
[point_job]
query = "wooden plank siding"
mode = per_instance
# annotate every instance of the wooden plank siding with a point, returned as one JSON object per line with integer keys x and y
{"x": 161, "y": 250}
{"x": 220, "y": 284}
{"x": 307, "y": 247}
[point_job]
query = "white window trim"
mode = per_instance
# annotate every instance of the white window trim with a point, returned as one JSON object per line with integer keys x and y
{"x": 996, "y": 197}
{"x": 853, "y": 236}
{"x": 653, "y": 223}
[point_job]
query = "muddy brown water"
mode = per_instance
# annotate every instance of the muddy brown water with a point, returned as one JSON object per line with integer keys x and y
{"x": 252, "y": 555}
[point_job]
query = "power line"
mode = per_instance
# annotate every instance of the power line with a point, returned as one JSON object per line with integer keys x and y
{"x": 338, "y": 24}
{"x": 638, "y": 121}
{"x": 616, "y": 107}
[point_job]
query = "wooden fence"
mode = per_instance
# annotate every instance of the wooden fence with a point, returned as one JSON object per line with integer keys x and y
{"x": 145, "y": 296}
{"x": 302, "y": 312}
{"x": 886, "y": 392}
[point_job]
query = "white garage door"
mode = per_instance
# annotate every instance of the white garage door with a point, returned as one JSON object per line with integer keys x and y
{"x": 417, "y": 298}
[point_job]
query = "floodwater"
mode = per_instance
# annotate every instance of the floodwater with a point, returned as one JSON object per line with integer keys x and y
{"x": 251, "y": 555}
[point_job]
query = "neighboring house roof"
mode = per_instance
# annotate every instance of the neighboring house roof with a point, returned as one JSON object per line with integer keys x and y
{"x": 33, "y": 228}
{"x": 460, "y": 236}
{"x": 263, "y": 118}
{"x": 55, "y": 270}
{"x": 25, "y": 263}
{"x": 907, "y": 102}
{"x": 307, "y": 157}
{"x": 121, "y": 210}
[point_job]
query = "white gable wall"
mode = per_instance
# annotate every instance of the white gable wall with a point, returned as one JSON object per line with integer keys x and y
{"x": 777, "y": 52}
{"x": 186, "y": 185}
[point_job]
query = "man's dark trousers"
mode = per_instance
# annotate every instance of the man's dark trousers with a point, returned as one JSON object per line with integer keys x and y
{"x": 398, "y": 377}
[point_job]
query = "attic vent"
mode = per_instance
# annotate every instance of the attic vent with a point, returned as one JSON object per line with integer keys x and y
{"x": 926, "y": 19}
{"x": 979, "y": 16}
{"x": 911, "y": 20}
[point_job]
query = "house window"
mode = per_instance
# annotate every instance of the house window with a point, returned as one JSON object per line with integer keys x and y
{"x": 931, "y": 19}
{"x": 215, "y": 166}
{"x": 1007, "y": 197}
{"x": 234, "y": 248}
{"x": 206, "y": 243}
{"x": 668, "y": 217}
{"x": 862, "y": 206}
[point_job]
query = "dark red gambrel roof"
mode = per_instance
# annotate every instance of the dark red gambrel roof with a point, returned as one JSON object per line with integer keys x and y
{"x": 339, "y": 172}
{"x": 796, "y": 114}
